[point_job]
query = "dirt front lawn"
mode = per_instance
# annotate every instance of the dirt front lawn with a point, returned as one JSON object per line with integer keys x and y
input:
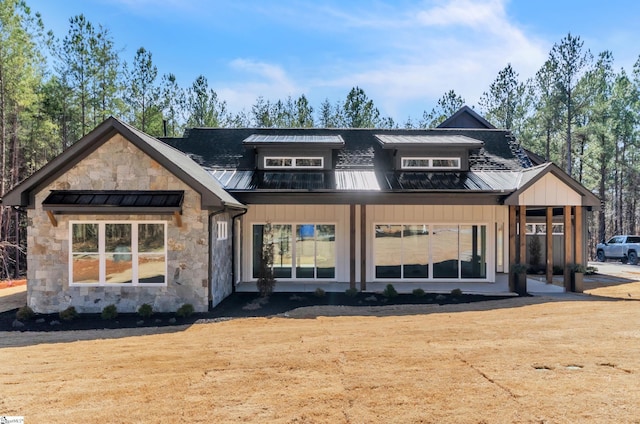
{"x": 524, "y": 360}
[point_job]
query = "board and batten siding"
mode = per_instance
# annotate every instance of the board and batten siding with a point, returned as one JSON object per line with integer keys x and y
{"x": 298, "y": 214}
{"x": 549, "y": 191}
{"x": 494, "y": 217}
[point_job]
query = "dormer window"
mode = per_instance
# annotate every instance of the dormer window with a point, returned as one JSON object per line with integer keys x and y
{"x": 430, "y": 163}
{"x": 288, "y": 162}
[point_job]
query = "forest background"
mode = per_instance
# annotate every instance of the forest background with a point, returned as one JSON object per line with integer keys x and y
{"x": 579, "y": 111}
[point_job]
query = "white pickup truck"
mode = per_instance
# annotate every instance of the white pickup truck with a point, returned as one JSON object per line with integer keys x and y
{"x": 623, "y": 248}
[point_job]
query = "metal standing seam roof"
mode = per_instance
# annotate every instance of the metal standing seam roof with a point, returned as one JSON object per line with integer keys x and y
{"x": 387, "y": 140}
{"x": 112, "y": 200}
{"x": 367, "y": 180}
{"x": 334, "y": 140}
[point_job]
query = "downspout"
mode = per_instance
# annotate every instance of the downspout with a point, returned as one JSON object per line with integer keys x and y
{"x": 233, "y": 249}
{"x": 210, "y": 267}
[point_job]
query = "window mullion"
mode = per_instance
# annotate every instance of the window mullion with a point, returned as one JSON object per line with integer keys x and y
{"x": 134, "y": 254}
{"x": 102, "y": 259}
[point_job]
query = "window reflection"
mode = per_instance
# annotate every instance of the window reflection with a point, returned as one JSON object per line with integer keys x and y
{"x": 473, "y": 251}
{"x": 445, "y": 251}
{"x": 415, "y": 251}
{"x": 388, "y": 251}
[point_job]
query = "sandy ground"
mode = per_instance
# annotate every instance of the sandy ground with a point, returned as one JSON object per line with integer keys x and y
{"x": 565, "y": 359}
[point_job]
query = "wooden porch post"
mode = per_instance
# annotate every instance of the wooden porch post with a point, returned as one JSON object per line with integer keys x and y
{"x": 523, "y": 235}
{"x": 568, "y": 251}
{"x": 549, "y": 251}
{"x": 512, "y": 245}
{"x": 521, "y": 288}
{"x": 579, "y": 259}
{"x": 352, "y": 246}
{"x": 363, "y": 247}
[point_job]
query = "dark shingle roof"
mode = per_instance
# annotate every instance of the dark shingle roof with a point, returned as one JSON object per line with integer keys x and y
{"x": 362, "y": 163}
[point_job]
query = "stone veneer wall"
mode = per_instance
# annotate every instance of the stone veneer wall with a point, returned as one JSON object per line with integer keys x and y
{"x": 118, "y": 165}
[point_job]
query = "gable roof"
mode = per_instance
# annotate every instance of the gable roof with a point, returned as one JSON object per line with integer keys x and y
{"x": 182, "y": 166}
{"x": 466, "y": 117}
{"x": 530, "y": 176}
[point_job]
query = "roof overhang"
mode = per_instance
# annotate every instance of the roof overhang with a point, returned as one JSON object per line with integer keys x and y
{"x": 184, "y": 168}
{"x": 333, "y": 141}
{"x": 113, "y": 201}
{"x": 392, "y": 141}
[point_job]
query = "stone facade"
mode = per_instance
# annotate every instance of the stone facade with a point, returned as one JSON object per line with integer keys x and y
{"x": 119, "y": 165}
{"x": 221, "y": 263}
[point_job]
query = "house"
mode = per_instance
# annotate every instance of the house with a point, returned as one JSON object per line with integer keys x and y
{"x": 124, "y": 218}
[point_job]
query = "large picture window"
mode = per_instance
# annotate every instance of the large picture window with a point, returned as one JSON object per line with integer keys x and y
{"x": 300, "y": 251}
{"x": 112, "y": 253}
{"x": 421, "y": 251}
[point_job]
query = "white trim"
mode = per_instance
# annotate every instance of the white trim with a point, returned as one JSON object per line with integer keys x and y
{"x": 102, "y": 254}
{"x": 429, "y": 159}
{"x": 371, "y": 268}
{"x": 293, "y": 162}
{"x": 222, "y": 230}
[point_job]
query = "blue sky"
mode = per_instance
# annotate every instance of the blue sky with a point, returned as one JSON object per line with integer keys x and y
{"x": 404, "y": 54}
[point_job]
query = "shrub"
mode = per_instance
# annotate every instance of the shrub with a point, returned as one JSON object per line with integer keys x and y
{"x": 24, "y": 314}
{"x": 519, "y": 268}
{"x": 558, "y": 270}
{"x": 319, "y": 292}
{"x": 109, "y": 312}
{"x": 418, "y": 292}
{"x": 390, "y": 291}
{"x": 456, "y": 292}
{"x": 68, "y": 314}
{"x": 185, "y": 310}
{"x": 351, "y": 292}
{"x": 579, "y": 268}
{"x": 591, "y": 270}
{"x": 145, "y": 310}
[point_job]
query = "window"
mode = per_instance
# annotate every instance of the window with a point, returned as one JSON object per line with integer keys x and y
{"x": 113, "y": 253}
{"x": 222, "y": 230}
{"x": 422, "y": 251}
{"x": 430, "y": 163}
{"x": 293, "y": 162}
{"x": 541, "y": 229}
{"x": 300, "y": 251}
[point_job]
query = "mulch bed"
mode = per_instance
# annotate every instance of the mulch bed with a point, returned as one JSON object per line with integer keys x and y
{"x": 238, "y": 305}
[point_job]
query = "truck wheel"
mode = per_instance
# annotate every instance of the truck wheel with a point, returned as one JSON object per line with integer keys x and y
{"x": 600, "y": 255}
{"x": 633, "y": 258}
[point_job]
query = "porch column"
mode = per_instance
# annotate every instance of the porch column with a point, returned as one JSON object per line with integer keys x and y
{"x": 352, "y": 246}
{"x": 512, "y": 245}
{"x": 568, "y": 251}
{"x": 522, "y": 235}
{"x": 579, "y": 236}
{"x": 521, "y": 287}
{"x": 549, "y": 250}
{"x": 363, "y": 247}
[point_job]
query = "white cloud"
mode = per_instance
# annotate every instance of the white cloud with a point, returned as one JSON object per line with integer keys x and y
{"x": 459, "y": 45}
{"x": 255, "y": 79}
{"x": 464, "y": 12}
